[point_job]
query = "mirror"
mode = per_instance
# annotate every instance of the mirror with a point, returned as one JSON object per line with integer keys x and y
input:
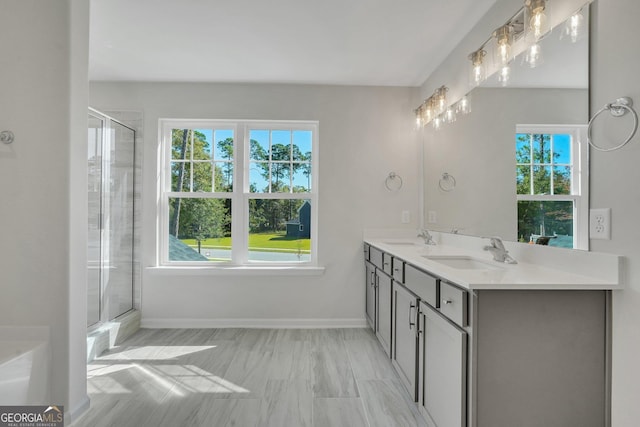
{"x": 470, "y": 171}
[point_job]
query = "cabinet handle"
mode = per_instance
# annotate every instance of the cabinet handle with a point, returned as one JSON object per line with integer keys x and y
{"x": 385, "y": 264}
{"x": 373, "y": 279}
{"x": 411, "y": 307}
{"x": 447, "y": 301}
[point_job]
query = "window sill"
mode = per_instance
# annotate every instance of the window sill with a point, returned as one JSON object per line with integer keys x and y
{"x": 236, "y": 271}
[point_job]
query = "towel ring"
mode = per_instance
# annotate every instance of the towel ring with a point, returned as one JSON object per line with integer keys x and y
{"x": 619, "y": 108}
{"x": 393, "y": 182}
{"x": 447, "y": 182}
{"x": 7, "y": 136}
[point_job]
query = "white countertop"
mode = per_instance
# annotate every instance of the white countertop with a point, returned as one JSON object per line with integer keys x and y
{"x": 522, "y": 275}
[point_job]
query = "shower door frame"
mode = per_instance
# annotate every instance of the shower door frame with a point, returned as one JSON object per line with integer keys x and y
{"x": 107, "y": 120}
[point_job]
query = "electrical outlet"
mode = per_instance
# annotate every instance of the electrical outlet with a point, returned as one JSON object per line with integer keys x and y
{"x": 432, "y": 218}
{"x": 406, "y": 217}
{"x": 600, "y": 224}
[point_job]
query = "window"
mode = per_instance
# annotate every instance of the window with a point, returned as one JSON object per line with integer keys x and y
{"x": 238, "y": 193}
{"x": 551, "y": 185}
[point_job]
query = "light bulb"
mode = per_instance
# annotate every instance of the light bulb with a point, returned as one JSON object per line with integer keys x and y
{"x": 477, "y": 67}
{"x": 449, "y": 115}
{"x": 463, "y": 107}
{"x": 537, "y": 18}
{"x": 437, "y": 122}
{"x": 504, "y": 39}
{"x": 574, "y": 26}
{"x": 504, "y": 75}
{"x": 533, "y": 58}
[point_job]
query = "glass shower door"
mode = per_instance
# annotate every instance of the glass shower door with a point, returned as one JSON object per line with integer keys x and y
{"x": 111, "y": 160}
{"x": 118, "y": 221}
{"x": 94, "y": 248}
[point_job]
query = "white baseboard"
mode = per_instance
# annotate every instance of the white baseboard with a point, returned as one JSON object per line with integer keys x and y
{"x": 73, "y": 414}
{"x": 253, "y": 323}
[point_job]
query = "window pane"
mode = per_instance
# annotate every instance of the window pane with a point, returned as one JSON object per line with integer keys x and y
{"x": 523, "y": 179}
{"x": 199, "y": 229}
{"x": 202, "y": 143}
{"x": 302, "y": 145}
{"x": 202, "y": 176}
{"x": 280, "y": 152}
{"x": 223, "y": 178}
{"x": 542, "y": 180}
{"x": 280, "y": 177}
{"x": 562, "y": 180}
{"x": 546, "y": 222}
{"x": 223, "y": 149}
{"x": 258, "y": 177}
{"x": 562, "y": 148}
{"x": 259, "y": 141}
{"x": 541, "y": 148}
{"x": 523, "y": 149}
{"x": 302, "y": 177}
{"x": 180, "y": 176}
{"x": 279, "y": 230}
{"x": 180, "y": 144}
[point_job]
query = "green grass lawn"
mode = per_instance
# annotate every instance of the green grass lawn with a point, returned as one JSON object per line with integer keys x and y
{"x": 258, "y": 242}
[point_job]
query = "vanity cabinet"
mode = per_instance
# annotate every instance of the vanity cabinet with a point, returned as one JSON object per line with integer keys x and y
{"x": 442, "y": 369}
{"x": 499, "y": 356}
{"x": 370, "y": 294}
{"x": 378, "y": 284}
{"x": 404, "y": 327}
{"x": 383, "y": 318}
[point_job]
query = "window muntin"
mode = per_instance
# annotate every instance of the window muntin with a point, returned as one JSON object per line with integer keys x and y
{"x": 552, "y": 185}
{"x": 247, "y": 195}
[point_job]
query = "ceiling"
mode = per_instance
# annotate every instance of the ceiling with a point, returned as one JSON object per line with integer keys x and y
{"x": 342, "y": 42}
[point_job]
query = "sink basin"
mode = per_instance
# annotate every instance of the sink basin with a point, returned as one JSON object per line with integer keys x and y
{"x": 462, "y": 262}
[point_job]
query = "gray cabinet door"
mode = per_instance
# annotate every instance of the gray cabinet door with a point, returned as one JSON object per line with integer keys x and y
{"x": 370, "y": 294}
{"x": 405, "y": 316}
{"x": 442, "y": 370}
{"x": 383, "y": 318}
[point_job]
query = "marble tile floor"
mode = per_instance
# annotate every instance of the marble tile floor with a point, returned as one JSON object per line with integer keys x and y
{"x": 247, "y": 378}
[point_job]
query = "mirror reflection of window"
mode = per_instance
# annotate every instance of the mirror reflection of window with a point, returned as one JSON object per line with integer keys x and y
{"x": 551, "y": 185}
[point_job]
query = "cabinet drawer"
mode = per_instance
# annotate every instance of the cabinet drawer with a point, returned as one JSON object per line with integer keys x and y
{"x": 453, "y": 303}
{"x": 387, "y": 261}
{"x": 421, "y": 284}
{"x": 375, "y": 256}
{"x": 398, "y": 270}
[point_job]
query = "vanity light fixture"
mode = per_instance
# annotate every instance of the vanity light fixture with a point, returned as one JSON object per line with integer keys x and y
{"x": 536, "y": 18}
{"x": 504, "y": 74}
{"x": 574, "y": 27}
{"x": 533, "y": 56}
{"x": 464, "y": 105}
{"x": 437, "y": 122}
{"x": 432, "y": 107}
{"x": 503, "y": 37}
{"x": 449, "y": 115}
{"x": 478, "y": 67}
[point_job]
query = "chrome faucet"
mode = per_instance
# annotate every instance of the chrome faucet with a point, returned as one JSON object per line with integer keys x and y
{"x": 428, "y": 238}
{"x": 500, "y": 253}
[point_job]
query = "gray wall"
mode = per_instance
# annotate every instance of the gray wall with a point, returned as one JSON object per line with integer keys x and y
{"x": 43, "y": 82}
{"x": 615, "y": 72}
{"x": 364, "y": 133}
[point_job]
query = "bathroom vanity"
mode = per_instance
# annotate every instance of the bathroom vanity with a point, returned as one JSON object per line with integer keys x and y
{"x": 484, "y": 344}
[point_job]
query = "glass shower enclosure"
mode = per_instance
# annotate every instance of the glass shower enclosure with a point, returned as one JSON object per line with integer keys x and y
{"x": 111, "y": 167}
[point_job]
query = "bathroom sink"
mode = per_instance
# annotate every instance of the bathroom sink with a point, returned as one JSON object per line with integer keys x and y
{"x": 462, "y": 262}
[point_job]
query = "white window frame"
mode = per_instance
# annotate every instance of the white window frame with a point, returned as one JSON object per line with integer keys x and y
{"x": 240, "y": 195}
{"x": 579, "y": 178}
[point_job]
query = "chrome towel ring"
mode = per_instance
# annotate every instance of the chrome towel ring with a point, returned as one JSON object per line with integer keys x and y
{"x": 447, "y": 182}
{"x": 393, "y": 182}
{"x": 618, "y": 108}
{"x": 7, "y": 136}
